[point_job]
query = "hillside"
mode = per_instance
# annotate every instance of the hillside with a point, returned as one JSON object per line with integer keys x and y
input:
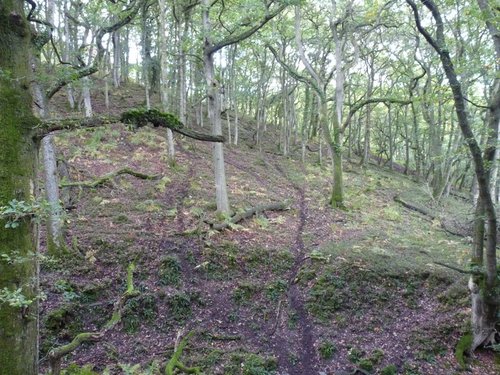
{"x": 309, "y": 290}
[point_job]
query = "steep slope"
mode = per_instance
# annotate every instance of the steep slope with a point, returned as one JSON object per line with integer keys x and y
{"x": 310, "y": 290}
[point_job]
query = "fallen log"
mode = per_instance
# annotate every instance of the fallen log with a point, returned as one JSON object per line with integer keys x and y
{"x": 109, "y": 176}
{"x": 412, "y": 207}
{"x": 281, "y": 206}
{"x": 135, "y": 117}
{"x": 428, "y": 214}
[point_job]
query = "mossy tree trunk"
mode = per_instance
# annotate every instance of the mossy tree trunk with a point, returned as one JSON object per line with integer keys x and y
{"x": 483, "y": 286}
{"x": 18, "y": 327}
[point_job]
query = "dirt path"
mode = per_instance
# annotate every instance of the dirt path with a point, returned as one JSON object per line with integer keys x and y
{"x": 304, "y": 342}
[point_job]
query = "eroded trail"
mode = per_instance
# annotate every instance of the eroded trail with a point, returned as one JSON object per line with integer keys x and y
{"x": 303, "y": 342}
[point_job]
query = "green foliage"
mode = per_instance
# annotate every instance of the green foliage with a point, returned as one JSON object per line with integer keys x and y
{"x": 170, "y": 270}
{"x": 377, "y": 356}
{"x": 74, "y": 369}
{"x": 244, "y": 292}
{"x": 180, "y": 306}
{"x": 66, "y": 289}
{"x": 138, "y": 310}
{"x": 326, "y": 350}
{"x": 16, "y": 210}
{"x": 389, "y": 370}
{"x": 262, "y": 222}
{"x": 354, "y": 355}
{"x": 15, "y": 298}
{"x": 366, "y": 364}
{"x": 251, "y": 364}
{"x": 276, "y": 289}
{"x": 325, "y": 297}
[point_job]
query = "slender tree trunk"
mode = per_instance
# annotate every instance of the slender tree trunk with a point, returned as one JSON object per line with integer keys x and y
{"x": 117, "y": 54}
{"x": 55, "y": 236}
{"x": 483, "y": 286}
{"x": 214, "y": 115}
{"x": 164, "y": 73}
{"x": 66, "y": 56}
{"x": 18, "y": 326}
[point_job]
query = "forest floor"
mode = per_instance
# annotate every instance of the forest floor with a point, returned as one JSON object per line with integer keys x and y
{"x": 306, "y": 291}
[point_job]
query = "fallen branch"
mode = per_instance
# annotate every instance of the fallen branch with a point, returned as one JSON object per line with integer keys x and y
{"x": 471, "y": 272}
{"x": 109, "y": 176}
{"x": 248, "y": 214}
{"x": 140, "y": 118}
{"x": 135, "y": 116}
{"x": 56, "y": 355}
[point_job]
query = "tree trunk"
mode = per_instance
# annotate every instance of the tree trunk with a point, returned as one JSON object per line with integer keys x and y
{"x": 18, "y": 326}
{"x": 164, "y": 73}
{"x": 213, "y": 93}
{"x": 483, "y": 287}
{"x": 117, "y": 54}
{"x": 214, "y": 115}
{"x": 55, "y": 238}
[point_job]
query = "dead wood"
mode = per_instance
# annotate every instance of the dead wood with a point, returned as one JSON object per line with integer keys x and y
{"x": 109, "y": 176}
{"x": 428, "y": 214}
{"x": 281, "y": 206}
{"x": 56, "y": 354}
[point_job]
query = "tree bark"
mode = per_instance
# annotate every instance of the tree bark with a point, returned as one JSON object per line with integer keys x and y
{"x": 164, "y": 73}
{"x": 55, "y": 237}
{"x": 18, "y": 326}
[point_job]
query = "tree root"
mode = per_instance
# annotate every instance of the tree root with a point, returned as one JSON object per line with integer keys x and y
{"x": 109, "y": 176}
{"x": 248, "y": 214}
{"x": 175, "y": 363}
{"x": 56, "y": 355}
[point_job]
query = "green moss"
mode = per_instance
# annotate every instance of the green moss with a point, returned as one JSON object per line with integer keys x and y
{"x": 463, "y": 347}
{"x": 140, "y": 117}
{"x": 170, "y": 270}
{"x": 17, "y": 181}
{"x": 220, "y": 263}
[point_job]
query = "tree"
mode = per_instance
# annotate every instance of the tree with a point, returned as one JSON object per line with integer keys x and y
{"x": 18, "y": 277}
{"x": 210, "y": 47}
{"x": 483, "y": 281}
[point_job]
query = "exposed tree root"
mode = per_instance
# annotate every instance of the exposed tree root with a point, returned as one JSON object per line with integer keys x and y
{"x": 248, "y": 214}
{"x": 109, "y": 176}
{"x": 175, "y": 363}
{"x": 56, "y": 355}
